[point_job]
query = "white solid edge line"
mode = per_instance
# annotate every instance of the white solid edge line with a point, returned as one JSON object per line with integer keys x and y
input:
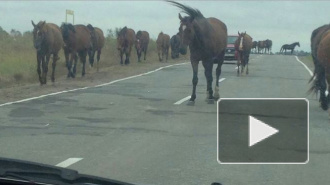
{"x": 182, "y": 100}
{"x": 310, "y": 72}
{"x": 68, "y": 162}
{"x": 222, "y": 79}
{"x": 188, "y": 97}
{"x": 82, "y": 88}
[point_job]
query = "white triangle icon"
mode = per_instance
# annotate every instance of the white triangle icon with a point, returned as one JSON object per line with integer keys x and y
{"x": 259, "y": 131}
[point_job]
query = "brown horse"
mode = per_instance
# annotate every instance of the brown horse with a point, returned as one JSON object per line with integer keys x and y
{"x": 141, "y": 44}
{"x": 268, "y": 45}
{"x": 207, "y": 40}
{"x": 243, "y": 47}
{"x": 320, "y": 47}
{"x": 125, "y": 41}
{"x": 97, "y": 44}
{"x": 77, "y": 41}
{"x": 163, "y": 45}
{"x": 254, "y": 46}
{"x": 261, "y": 46}
{"x": 47, "y": 40}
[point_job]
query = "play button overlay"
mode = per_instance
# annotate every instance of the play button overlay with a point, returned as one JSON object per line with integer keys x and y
{"x": 263, "y": 131}
{"x": 259, "y": 131}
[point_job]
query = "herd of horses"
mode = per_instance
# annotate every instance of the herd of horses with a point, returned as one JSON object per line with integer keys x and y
{"x": 264, "y": 46}
{"x": 206, "y": 38}
{"x": 80, "y": 41}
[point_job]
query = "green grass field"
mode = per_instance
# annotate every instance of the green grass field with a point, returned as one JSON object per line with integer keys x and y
{"x": 18, "y": 63}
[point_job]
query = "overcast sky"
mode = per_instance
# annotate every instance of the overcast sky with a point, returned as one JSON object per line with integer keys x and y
{"x": 281, "y": 21}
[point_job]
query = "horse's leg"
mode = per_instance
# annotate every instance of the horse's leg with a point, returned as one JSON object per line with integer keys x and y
{"x": 91, "y": 57}
{"x": 159, "y": 55}
{"x": 45, "y": 68}
{"x": 74, "y": 67}
{"x": 194, "y": 65}
{"x": 218, "y": 73}
{"x": 67, "y": 61}
{"x": 55, "y": 58}
{"x": 121, "y": 57}
{"x": 242, "y": 62}
{"x": 323, "y": 86}
{"x": 138, "y": 55}
{"x": 208, "y": 66}
{"x": 99, "y": 51}
{"x": 247, "y": 63}
{"x": 145, "y": 53}
{"x": 83, "y": 56}
{"x": 238, "y": 63}
{"x": 38, "y": 67}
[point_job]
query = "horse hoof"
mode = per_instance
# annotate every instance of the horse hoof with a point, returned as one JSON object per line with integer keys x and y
{"x": 191, "y": 103}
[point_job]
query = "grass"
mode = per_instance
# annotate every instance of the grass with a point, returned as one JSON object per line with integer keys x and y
{"x": 18, "y": 60}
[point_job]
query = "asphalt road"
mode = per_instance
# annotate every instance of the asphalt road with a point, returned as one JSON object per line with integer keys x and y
{"x": 132, "y": 131}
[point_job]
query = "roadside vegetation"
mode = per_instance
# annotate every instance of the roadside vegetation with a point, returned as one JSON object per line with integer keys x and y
{"x": 18, "y": 58}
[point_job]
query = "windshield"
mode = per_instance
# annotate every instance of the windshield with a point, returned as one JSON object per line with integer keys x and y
{"x": 147, "y": 92}
{"x": 231, "y": 39}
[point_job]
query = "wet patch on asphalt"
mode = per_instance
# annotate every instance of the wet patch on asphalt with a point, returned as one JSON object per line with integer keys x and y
{"x": 25, "y": 112}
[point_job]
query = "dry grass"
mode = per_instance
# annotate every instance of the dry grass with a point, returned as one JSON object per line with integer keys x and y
{"x": 18, "y": 60}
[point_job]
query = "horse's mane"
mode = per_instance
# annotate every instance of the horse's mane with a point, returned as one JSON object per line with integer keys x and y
{"x": 193, "y": 13}
{"x": 90, "y": 27}
{"x": 139, "y": 33}
{"x": 122, "y": 31}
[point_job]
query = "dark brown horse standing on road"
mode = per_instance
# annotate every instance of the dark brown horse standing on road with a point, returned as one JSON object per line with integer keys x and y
{"x": 47, "y": 40}
{"x": 77, "y": 41}
{"x": 268, "y": 46}
{"x": 97, "y": 44}
{"x": 243, "y": 47}
{"x": 320, "y": 46}
{"x": 141, "y": 44}
{"x": 163, "y": 45}
{"x": 125, "y": 42}
{"x": 289, "y": 47}
{"x": 175, "y": 46}
{"x": 207, "y": 40}
{"x": 261, "y": 46}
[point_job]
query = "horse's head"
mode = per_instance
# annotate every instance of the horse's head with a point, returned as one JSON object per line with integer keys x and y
{"x": 138, "y": 41}
{"x": 67, "y": 30}
{"x": 39, "y": 32}
{"x": 121, "y": 38}
{"x": 239, "y": 41}
{"x": 186, "y": 32}
{"x": 298, "y": 44}
{"x": 93, "y": 34}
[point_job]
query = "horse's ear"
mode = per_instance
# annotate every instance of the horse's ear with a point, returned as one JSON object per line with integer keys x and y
{"x": 245, "y": 32}
{"x": 33, "y": 24}
{"x": 180, "y": 17}
{"x": 238, "y": 33}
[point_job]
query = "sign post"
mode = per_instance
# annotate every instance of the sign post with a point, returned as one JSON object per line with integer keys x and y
{"x": 69, "y": 12}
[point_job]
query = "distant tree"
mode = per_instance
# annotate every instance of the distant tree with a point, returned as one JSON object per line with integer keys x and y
{"x": 27, "y": 34}
{"x": 15, "y": 33}
{"x": 110, "y": 33}
{"x": 3, "y": 33}
{"x": 117, "y": 30}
